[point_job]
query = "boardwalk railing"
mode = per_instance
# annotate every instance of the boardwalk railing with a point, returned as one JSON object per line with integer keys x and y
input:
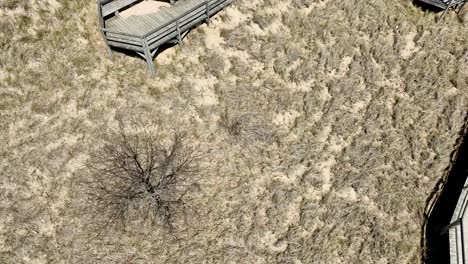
{"x": 446, "y": 4}
{"x": 166, "y": 26}
{"x": 458, "y": 235}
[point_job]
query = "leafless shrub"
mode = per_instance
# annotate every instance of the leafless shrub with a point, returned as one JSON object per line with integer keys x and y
{"x": 246, "y": 128}
{"x": 136, "y": 176}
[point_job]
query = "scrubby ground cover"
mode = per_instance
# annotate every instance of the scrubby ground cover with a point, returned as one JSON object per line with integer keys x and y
{"x": 327, "y": 125}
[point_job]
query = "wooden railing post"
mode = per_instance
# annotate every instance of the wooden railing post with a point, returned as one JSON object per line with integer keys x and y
{"x": 449, "y": 5}
{"x": 461, "y": 7}
{"x": 179, "y": 38}
{"x": 148, "y": 57}
{"x": 101, "y": 26}
{"x": 208, "y": 12}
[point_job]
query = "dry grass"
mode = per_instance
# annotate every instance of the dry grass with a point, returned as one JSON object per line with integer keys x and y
{"x": 361, "y": 101}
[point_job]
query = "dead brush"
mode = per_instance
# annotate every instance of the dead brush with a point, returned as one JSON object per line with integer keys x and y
{"x": 246, "y": 128}
{"x": 136, "y": 176}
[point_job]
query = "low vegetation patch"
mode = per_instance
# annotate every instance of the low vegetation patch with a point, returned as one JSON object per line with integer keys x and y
{"x": 137, "y": 176}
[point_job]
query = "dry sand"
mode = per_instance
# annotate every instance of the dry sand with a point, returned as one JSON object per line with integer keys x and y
{"x": 145, "y": 7}
{"x": 346, "y": 115}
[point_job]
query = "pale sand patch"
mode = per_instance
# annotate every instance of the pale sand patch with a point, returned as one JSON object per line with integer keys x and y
{"x": 395, "y": 83}
{"x": 312, "y": 194}
{"x": 208, "y": 98}
{"x": 276, "y": 27}
{"x": 451, "y": 92}
{"x": 206, "y": 91}
{"x": 166, "y": 57}
{"x": 303, "y": 86}
{"x": 285, "y": 119}
{"x": 294, "y": 212}
{"x": 273, "y": 240}
{"x": 342, "y": 68}
{"x": 15, "y": 12}
{"x": 319, "y": 4}
{"x": 213, "y": 38}
{"x": 282, "y": 7}
{"x": 348, "y": 194}
{"x": 325, "y": 169}
{"x": 324, "y": 134}
{"x": 358, "y": 106}
{"x": 143, "y": 8}
{"x": 299, "y": 172}
{"x": 410, "y": 46}
{"x": 290, "y": 178}
{"x": 335, "y": 145}
{"x": 270, "y": 241}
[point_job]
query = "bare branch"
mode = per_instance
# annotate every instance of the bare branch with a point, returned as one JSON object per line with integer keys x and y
{"x": 134, "y": 176}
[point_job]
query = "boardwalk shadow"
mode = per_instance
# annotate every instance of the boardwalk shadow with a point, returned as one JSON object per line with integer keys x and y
{"x": 133, "y": 54}
{"x": 427, "y": 7}
{"x": 437, "y": 244}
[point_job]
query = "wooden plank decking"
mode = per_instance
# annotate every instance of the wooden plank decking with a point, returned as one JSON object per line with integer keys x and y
{"x": 145, "y": 33}
{"x": 143, "y": 24}
{"x": 437, "y": 3}
{"x": 446, "y": 4}
{"x": 458, "y": 231}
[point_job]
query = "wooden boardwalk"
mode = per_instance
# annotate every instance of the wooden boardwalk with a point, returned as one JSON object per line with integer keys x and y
{"x": 446, "y": 4}
{"x": 145, "y": 33}
{"x": 458, "y": 231}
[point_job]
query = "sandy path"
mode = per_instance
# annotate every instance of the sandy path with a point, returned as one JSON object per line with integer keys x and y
{"x": 143, "y": 8}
